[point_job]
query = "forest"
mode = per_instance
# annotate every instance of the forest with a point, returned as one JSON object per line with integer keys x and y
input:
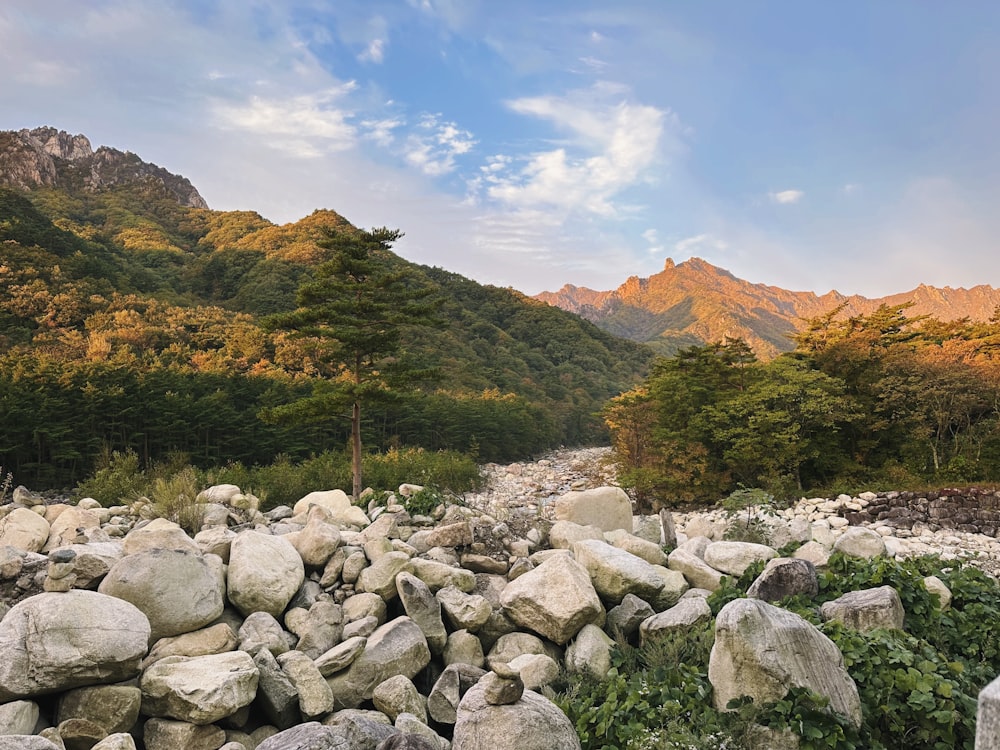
{"x": 868, "y": 402}
{"x": 131, "y": 324}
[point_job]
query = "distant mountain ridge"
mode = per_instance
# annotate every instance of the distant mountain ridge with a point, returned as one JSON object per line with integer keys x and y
{"x": 695, "y": 302}
{"x": 47, "y": 157}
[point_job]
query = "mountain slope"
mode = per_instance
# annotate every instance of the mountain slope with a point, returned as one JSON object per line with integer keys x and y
{"x": 695, "y": 302}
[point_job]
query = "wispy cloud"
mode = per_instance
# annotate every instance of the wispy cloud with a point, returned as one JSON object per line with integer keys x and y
{"x": 381, "y": 131}
{"x": 433, "y": 146}
{"x": 700, "y": 243}
{"x": 375, "y": 51}
{"x": 305, "y": 125}
{"x": 786, "y": 196}
{"x": 611, "y": 144}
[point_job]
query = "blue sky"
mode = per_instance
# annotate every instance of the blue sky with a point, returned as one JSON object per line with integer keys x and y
{"x": 533, "y": 143}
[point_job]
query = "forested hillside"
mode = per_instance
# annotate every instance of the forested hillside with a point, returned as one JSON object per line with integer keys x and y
{"x": 131, "y": 322}
{"x": 864, "y": 402}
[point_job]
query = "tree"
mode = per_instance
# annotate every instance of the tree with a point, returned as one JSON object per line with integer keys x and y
{"x": 353, "y": 313}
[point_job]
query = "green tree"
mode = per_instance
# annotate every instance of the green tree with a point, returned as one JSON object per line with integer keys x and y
{"x": 354, "y": 312}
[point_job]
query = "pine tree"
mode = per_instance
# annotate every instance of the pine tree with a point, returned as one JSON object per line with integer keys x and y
{"x": 354, "y": 312}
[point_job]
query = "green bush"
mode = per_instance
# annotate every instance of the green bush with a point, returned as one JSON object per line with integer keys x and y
{"x": 118, "y": 479}
{"x": 174, "y": 498}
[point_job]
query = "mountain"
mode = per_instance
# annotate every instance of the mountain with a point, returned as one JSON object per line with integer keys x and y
{"x": 131, "y": 319}
{"x": 46, "y": 157}
{"x": 695, "y": 302}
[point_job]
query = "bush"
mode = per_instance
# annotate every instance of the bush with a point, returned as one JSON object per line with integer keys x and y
{"x": 174, "y": 498}
{"x": 118, "y": 479}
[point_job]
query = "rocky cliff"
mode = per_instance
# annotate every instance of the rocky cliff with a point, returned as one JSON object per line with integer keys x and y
{"x": 695, "y": 302}
{"x": 46, "y": 157}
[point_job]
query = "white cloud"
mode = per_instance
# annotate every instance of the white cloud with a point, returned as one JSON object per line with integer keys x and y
{"x": 305, "y": 125}
{"x": 381, "y": 131}
{"x": 611, "y": 145}
{"x": 700, "y": 243}
{"x": 433, "y": 146}
{"x": 786, "y": 196}
{"x": 375, "y": 52}
{"x": 850, "y": 188}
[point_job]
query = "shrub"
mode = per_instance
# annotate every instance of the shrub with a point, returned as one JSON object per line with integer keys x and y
{"x": 174, "y": 498}
{"x": 118, "y": 479}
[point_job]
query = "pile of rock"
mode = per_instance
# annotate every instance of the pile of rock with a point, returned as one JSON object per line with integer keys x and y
{"x": 329, "y": 626}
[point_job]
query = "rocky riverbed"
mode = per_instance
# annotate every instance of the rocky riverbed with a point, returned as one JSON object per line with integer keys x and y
{"x": 527, "y": 490}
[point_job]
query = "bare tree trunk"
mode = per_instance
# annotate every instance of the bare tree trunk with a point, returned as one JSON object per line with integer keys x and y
{"x": 356, "y": 449}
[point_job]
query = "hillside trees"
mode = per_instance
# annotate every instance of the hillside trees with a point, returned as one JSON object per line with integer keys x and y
{"x": 353, "y": 313}
{"x": 862, "y": 401}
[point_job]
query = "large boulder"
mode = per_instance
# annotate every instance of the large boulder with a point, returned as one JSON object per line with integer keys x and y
{"x": 24, "y": 529}
{"x": 605, "y": 507}
{"x": 177, "y": 591}
{"x": 265, "y": 571}
{"x": 684, "y": 615}
{"x": 615, "y": 572}
{"x": 424, "y": 609}
{"x": 732, "y": 558}
{"x": 114, "y": 707}
{"x": 696, "y": 571}
{"x": 858, "y": 541}
{"x": 531, "y": 723}
{"x": 199, "y": 690}
{"x": 784, "y": 576}
{"x": 555, "y": 599}
{"x": 53, "y": 642}
{"x": 398, "y": 647}
{"x": 867, "y": 609}
{"x": 761, "y": 651}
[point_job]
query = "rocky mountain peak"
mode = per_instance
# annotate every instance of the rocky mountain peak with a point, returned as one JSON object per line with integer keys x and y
{"x": 47, "y": 157}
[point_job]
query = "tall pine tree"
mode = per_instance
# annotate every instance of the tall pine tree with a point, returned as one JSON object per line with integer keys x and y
{"x": 354, "y": 312}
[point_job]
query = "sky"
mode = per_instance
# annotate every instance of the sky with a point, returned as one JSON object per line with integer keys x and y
{"x": 535, "y": 143}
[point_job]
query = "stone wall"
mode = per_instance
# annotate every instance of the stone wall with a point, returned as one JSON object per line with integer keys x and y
{"x": 973, "y": 511}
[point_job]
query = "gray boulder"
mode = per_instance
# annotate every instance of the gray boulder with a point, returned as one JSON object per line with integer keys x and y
{"x": 858, "y": 541}
{"x": 114, "y": 707}
{"x": 396, "y": 648}
{"x": 555, "y": 599}
{"x": 732, "y": 558}
{"x": 784, "y": 576}
{"x": 177, "y": 591}
{"x": 608, "y": 508}
{"x": 531, "y": 723}
{"x": 53, "y": 642}
{"x": 761, "y": 651}
{"x": 265, "y": 572}
{"x": 199, "y": 690}
{"x": 423, "y": 608}
{"x": 697, "y": 572}
{"x": 867, "y": 609}
{"x": 616, "y": 572}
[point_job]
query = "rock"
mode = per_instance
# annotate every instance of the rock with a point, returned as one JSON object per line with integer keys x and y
{"x": 321, "y": 629}
{"x": 342, "y": 512}
{"x": 501, "y": 691}
{"x": 564, "y": 534}
{"x": 80, "y": 734}
{"x": 608, "y": 508}
{"x": 399, "y": 695}
{"x": 261, "y": 631}
{"x": 396, "y": 648}
{"x": 437, "y": 575}
{"x": 684, "y": 615}
{"x": 24, "y": 742}
{"x": 589, "y": 652}
{"x": 463, "y": 648}
{"x": 264, "y": 573}
{"x": 159, "y": 534}
{"x": 412, "y": 736}
{"x": 555, "y": 599}
{"x": 858, "y": 541}
{"x": 54, "y": 642}
{"x": 532, "y": 723}
{"x": 315, "y": 696}
{"x": 814, "y": 552}
{"x": 732, "y": 558}
{"x": 18, "y": 717}
{"x": 166, "y": 734}
{"x": 761, "y": 650}
{"x": 116, "y": 741}
{"x": 200, "y": 689}
{"x": 451, "y": 535}
{"x": 71, "y": 526}
{"x": 696, "y": 571}
{"x": 624, "y": 620}
{"x": 784, "y": 576}
{"x": 424, "y": 609}
{"x": 987, "y": 717}
{"x": 217, "y": 540}
{"x": 454, "y": 682}
{"x": 380, "y": 577}
{"x": 177, "y": 591}
{"x": 276, "y": 697}
{"x": 536, "y": 670}
{"x": 643, "y": 548}
{"x": 24, "y": 529}
{"x": 615, "y": 572}
{"x": 318, "y": 540}
{"x": 361, "y": 728}
{"x": 114, "y": 707}
{"x": 936, "y": 586}
{"x": 341, "y": 656}
{"x": 669, "y": 529}
{"x": 464, "y": 611}
{"x": 867, "y": 609}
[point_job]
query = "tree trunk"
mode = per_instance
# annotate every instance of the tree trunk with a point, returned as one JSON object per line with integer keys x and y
{"x": 356, "y": 449}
